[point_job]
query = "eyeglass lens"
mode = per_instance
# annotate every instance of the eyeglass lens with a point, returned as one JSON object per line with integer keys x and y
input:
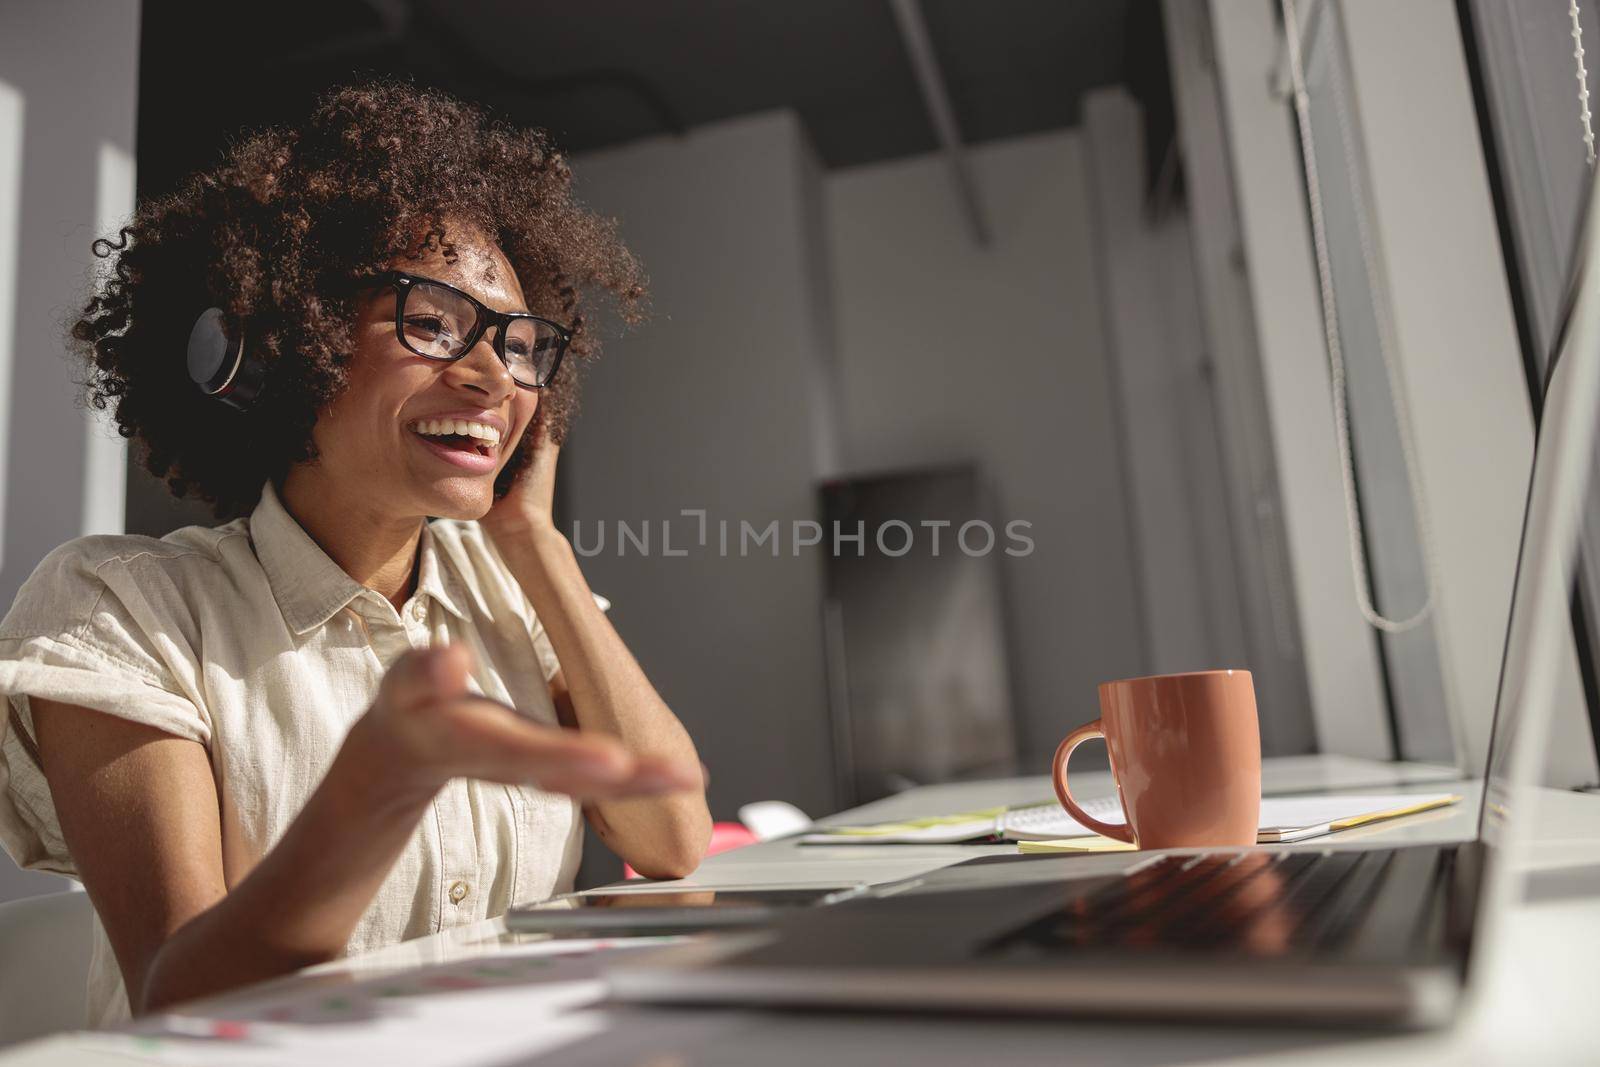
{"x": 437, "y": 323}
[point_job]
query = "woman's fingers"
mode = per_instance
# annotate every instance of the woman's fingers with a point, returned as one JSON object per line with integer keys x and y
{"x": 510, "y": 748}
{"x": 669, "y": 775}
{"x": 448, "y": 667}
{"x": 649, "y": 776}
{"x": 425, "y": 676}
{"x": 461, "y": 735}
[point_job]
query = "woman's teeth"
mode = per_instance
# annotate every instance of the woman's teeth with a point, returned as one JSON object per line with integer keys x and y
{"x": 458, "y": 428}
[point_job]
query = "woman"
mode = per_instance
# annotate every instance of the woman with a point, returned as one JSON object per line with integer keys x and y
{"x": 330, "y": 723}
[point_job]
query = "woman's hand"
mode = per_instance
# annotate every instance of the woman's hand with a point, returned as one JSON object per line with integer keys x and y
{"x": 529, "y": 506}
{"x": 426, "y": 728}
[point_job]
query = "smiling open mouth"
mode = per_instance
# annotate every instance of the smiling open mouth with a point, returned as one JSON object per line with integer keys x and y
{"x": 460, "y": 435}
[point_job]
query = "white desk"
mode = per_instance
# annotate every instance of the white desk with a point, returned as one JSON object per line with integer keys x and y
{"x": 477, "y": 994}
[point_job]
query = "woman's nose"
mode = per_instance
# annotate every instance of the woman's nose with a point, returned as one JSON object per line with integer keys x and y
{"x": 481, "y": 368}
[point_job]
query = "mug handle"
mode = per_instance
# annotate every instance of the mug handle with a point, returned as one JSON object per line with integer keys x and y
{"x": 1058, "y": 777}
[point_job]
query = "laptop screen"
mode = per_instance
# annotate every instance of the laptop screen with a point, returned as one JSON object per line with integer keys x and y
{"x": 1538, "y": 630}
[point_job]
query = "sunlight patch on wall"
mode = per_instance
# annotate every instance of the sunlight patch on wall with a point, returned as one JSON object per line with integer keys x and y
{"x": 105, "y": 455}
{"x": 11, "y": 111}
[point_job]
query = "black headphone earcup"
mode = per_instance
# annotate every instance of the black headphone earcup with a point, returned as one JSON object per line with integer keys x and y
{"x": 218, "y": 364}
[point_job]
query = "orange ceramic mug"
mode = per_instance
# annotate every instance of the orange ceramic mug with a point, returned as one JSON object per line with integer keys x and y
{"x": 1186, "y": 755}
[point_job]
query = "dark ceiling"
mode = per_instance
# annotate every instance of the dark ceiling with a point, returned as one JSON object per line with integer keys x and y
{"x": 601, "y": 72}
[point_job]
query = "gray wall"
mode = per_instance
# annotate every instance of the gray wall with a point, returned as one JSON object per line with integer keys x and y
{"x": 1340, "y": 652}
{"x": 1193, "y": 616}
{"x": 74, "y": 93}
{"x": 1255, "y": 478}
{"x": 948, "y": 351}
{"x": 714, "y": 405}
{"x": 754, "y": 379}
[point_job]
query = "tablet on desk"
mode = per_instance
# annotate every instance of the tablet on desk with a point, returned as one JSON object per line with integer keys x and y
{"x": 642, "y": 912}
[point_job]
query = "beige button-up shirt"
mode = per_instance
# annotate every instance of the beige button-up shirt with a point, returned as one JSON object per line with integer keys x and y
{"x": 249, "y": 639}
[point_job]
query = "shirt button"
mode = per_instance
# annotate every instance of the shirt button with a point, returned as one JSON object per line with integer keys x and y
{"x": 459, "y": 891}
{"x": 419, "y": 610}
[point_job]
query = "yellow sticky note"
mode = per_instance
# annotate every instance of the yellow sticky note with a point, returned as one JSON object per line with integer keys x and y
{"x": 1076, "y": 844}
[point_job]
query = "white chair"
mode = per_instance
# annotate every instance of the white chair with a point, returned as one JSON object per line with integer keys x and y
{"x": 44, "y": 965}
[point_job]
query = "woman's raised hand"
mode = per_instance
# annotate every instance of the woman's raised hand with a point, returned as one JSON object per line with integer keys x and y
{"x": 425, "y": 728}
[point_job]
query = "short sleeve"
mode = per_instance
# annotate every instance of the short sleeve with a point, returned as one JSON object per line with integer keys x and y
{"x": 83, "y": 632}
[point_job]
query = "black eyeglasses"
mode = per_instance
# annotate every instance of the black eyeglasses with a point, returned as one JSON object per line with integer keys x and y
{"x": 439, "y": 321}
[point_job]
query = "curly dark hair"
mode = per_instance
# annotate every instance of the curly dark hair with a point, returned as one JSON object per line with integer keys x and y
{"x": 275, "y": 233}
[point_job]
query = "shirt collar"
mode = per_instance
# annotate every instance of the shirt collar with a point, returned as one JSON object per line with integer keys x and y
{"x": 431, "y": 579}
{"x": 309, "y": 586}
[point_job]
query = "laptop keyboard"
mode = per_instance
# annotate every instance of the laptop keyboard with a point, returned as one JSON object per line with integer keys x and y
{"x": 1259, "y": 903}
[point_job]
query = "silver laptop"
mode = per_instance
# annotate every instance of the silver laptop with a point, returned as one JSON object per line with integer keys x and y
{"x": 1376, "y": 935}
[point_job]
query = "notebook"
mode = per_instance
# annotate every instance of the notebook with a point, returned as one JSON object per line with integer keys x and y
{"x": 1282, "y": 819}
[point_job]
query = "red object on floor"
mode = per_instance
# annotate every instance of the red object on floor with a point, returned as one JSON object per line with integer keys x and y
{"x": 725, "y": 836}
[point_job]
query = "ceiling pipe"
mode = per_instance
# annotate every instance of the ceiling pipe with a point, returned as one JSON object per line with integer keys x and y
{"x": 919, "y": 46}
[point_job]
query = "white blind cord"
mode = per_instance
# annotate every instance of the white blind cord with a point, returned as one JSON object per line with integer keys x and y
{"x": 1583, "y": 80}
{"x": 1336, "y": 367}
